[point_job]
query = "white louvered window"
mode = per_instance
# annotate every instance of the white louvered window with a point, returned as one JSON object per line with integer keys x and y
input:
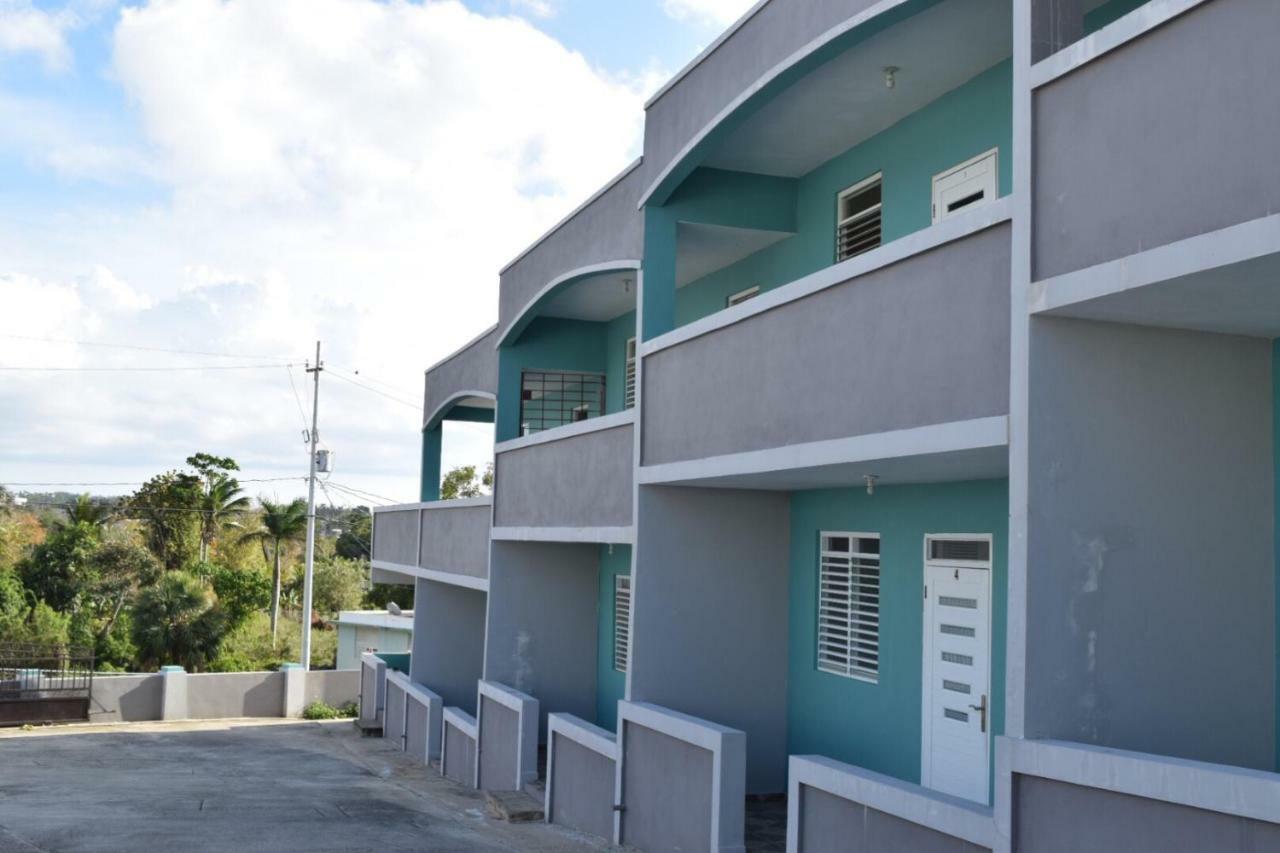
{"x": 858, "y": 218}
{"x": 849, "y": 605}
{"x": 621, "y": 622}
{"x": 629, "y": 383}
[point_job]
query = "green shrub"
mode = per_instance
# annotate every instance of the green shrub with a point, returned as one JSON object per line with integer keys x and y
{"x": 319, "y": 710}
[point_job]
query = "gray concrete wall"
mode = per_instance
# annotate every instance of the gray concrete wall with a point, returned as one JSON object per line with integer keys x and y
{"x": 666, "y": 791}
{"x": 581, "y": 788}
{"x": 448, "y": 641}
{"x": 125, "y": 698}
{"x": 499, "y": 746}
{"x": 417, "y": 732}
{"x": 923, "y": 341}
{"x": 1050, "y": 817}
{"x": 456, "y": 539}
{"x": 542, "y": 624}
{"x": 709, "y": 620}
{"x": 831, "y": 824}
{"x": 778, "y": 30}
{"x": 1169, "y": 136}
{"x": 608, "y": 229}
{"x": 235, "y": 694}
{"x": 1151, "y": 573}
{"x": 472, "y": 369}
{"x": 459, "y": 757}
{"x": 395, "y": 537}
{"x": 589, "y": 474}
{"x": 394, "y": 718}
{"x": 336, "y": 687}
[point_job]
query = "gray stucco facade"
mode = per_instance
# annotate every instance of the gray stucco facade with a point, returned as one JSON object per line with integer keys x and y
{"x": 1099, "y": 341}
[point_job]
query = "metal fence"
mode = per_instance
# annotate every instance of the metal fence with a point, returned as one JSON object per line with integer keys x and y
{"x": 40, "y": 684}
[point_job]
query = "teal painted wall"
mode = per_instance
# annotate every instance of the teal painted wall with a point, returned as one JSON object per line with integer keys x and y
{"x": 611, "y": 685}
{"x": 547, "y": 343}
{"x": 551, "y": 343}
{"x": 878, "y": 726}
{"x": 1108, "y": 12}
{"x": 429, "y": 482}
{"x": 1275, "y": 461}
{"x": 974, "y": 118}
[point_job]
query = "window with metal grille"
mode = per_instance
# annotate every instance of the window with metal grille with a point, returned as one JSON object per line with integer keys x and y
{"x": 858, "y": 218}
{"x": 621, "y": 621}
{"x": 549, "y": 399}
{"x": 629, "y": 382}
{"x": 849, "y": 605}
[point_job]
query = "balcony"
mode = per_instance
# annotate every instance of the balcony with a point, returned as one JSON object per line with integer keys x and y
{"x": 1156, "y": 128}
{"x": 446, "y": 541}
{"x": 889, "y": 347}
{"x": 571, "y": 483}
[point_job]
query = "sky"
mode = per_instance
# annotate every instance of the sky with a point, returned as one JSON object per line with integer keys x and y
{"x": 221, "y": 183}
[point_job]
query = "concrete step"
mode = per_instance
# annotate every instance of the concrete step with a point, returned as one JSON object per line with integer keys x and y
{"x": 368, "y": 729}
{"x": 537, "y": 789}
{"x": 513, "y": 806}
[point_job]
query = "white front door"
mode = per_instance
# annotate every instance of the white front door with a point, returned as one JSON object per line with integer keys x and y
{"x": 955, "y": 754}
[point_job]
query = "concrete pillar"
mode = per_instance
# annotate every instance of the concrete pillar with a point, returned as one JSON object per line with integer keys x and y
{"x": 173, "y": 693}
{"x": 295, "y": 689}
{"x": 432, "y": 441}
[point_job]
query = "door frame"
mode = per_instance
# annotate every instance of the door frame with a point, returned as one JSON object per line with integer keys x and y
{"x": 926, "y": 656}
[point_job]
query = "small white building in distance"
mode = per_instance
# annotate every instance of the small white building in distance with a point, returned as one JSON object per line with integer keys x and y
{"x": 362, "y": 631}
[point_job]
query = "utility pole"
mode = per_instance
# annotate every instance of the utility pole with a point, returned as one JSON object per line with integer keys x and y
{"x": 311, "y": 510}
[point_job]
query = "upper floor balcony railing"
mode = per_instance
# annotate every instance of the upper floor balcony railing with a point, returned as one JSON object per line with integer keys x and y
{"x": 1154, "y": 127}
{"x": 909, "y": 335}
{"x": 440, "y": 540}
{"x": 576, "y": 477}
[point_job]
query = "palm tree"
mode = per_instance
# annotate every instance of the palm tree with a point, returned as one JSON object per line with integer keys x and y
{"x": 221, "y": 506}
{"x": 87, "y": 511}
{"x": 278, "y": 523}
{"x": 175, "y": 621}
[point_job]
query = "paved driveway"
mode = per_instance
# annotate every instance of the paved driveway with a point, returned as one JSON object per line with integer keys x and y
{"x": 239, "y": 786}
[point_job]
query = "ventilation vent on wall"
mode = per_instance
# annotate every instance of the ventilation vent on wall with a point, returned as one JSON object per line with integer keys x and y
{"x": 621, "y": 622}
{"x": 966, "y": 550}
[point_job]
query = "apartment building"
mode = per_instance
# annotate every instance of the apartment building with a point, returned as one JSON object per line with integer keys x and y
{"x": 897, "y": 436}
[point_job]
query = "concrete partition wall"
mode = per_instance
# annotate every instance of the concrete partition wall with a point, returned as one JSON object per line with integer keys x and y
{"x": 1151, "y": 579}
{"x": 709, "y": 621}
{"x": 393, "y": 720}
{"x": 373, "y": 689}
{"x": 542, "y": 624}
{"x": 125, "y": 698}
{"x": 458, "y": 747}
{"x": 581, "y": 766}
{"x": 448, "y": 641}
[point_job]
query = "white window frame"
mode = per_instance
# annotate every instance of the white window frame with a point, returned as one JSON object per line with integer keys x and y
{"x": 878, "y": 209}
{"x": 991, "y": 187}
{"x": 629, "y": 375}
{"x": 833, "y": 667}
{"x": 741, "y": 296}
{"x": 621, "y": 622}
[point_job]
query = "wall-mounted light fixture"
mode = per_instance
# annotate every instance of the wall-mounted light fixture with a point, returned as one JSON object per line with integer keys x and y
{"x": 871, "y": 480}
{"x": 890, "y": 76}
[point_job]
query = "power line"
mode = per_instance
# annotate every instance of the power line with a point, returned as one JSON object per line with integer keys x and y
{"x": 360, "y": 493}
{"x": 144, "y": 482}
{"x": 143, "y": 349}
{"x": 355, "y": 374}
{"x": 296, "y": 396}
{"x": 370, "y": 388}
{"x": 144, "y": 369}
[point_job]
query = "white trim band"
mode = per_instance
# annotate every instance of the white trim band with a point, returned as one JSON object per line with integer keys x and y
{"x": 560, "y": 433}
{"x": 598, "y": 535}
{"x": 949, "y": 230}
{"x": 456, "y": 503}
{"x": 940, "y": 813}
{"x": 1231, "y": 245}
{"x": 949, "y": 437}
{"x": 1119, "y": 32}
{"x": 460, "y": 395}
{"x": 1238, "y": 791}
{"x": 451, "y": 578}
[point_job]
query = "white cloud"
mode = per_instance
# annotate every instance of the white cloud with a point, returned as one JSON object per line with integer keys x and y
{"x": 537, "y": 8}
{"x": 349, "y": 170}
{"x": 24, "y": 28}
{"x": 718, "y": 13}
